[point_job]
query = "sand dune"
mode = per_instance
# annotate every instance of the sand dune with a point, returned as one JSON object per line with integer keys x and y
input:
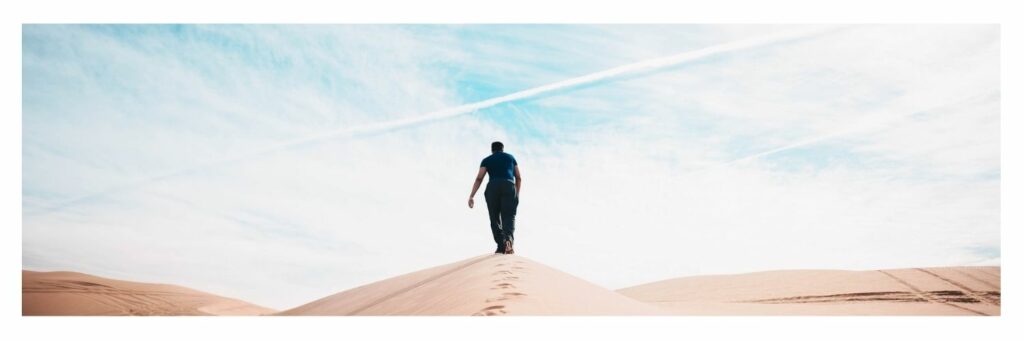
{"x": 483, "y": 285}
{"x": 514, "y": 285}
{"x": 72, "y": 293}
{"x": 917, "y": 291}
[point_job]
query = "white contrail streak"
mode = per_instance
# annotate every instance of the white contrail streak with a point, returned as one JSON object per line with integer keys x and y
{"x": 621, "y": 71}
{"x": 871, "y": 120}
{"x": 609, "y": 74}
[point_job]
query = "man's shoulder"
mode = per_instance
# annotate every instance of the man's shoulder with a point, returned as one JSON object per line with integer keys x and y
{"x": 498, "y": 156}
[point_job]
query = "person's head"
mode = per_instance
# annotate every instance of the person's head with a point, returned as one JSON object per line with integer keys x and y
{"x": 497, "y": 147}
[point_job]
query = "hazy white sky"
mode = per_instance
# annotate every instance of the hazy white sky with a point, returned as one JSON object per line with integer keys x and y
{"x": 167, "y": 154}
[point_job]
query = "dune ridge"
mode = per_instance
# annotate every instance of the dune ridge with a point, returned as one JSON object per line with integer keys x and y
{"x": 486, "y": 285}
{"x": 64, "y": 293}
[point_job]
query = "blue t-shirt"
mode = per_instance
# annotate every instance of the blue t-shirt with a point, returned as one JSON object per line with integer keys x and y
{"x": 500, "y": 165}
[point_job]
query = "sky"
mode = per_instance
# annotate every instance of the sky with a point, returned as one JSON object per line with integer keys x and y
{"x": 282, "y": 163}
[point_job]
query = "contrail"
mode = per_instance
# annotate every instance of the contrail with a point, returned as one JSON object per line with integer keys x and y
{"x": 632, "y": 69}
{"x": 884, "y": 117}
{"x": 621, "y": 71}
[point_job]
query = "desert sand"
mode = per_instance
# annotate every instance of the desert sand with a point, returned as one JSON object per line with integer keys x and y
{"x": 495, "y": 284}
{"x": 515, "y": 285}
{"x": 917, "y": 291}
{"x": 72, "y": 293}
{"x": 491, "y": 284}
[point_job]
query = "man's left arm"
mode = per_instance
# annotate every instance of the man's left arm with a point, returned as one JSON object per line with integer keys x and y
{"x": 519, "y": 180}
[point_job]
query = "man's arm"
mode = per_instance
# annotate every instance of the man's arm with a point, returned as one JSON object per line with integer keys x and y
{"x": 519, "y": 180}
{"x": 476, "y": 184}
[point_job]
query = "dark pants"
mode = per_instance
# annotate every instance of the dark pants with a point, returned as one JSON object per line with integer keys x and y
{"x": 501, "y": 205}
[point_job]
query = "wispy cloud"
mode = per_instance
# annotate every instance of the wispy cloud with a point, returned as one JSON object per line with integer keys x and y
{"x": 632, "y": 69}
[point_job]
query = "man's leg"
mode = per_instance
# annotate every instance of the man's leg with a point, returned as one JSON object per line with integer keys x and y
{"x": 494, "y": 213}
{"x": 509, "y": 204}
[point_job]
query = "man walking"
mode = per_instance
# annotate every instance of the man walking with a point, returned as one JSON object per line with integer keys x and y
{"x": 502, "y": 194}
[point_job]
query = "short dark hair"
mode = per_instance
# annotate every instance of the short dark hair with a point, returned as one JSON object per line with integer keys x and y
{"x": 497, "y": 146}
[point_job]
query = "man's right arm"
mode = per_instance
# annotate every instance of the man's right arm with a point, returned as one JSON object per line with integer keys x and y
{"x": 476, "y": 184}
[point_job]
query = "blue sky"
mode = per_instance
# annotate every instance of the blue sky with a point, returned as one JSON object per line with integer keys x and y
{"x": 167, "y": 153}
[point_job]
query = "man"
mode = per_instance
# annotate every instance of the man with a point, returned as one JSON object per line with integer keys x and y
{"x": 502, "y": 194}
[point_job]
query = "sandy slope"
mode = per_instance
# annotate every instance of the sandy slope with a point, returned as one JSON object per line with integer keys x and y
{"x": 72, "y": 293}
{"x": 483, "y": 285}
{"x": 917, "y": 291}
{"x": 514, "y": 285}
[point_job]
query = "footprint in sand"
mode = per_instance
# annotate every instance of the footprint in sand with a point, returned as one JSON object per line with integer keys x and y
{"x": 505, "y": 296}
{"x": 503, "y": 286}
{"x": 490, "y": 311}
{"x": 506, "y": 278}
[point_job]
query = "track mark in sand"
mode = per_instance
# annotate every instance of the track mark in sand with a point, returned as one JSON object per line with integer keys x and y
{"x": 417, "y": 285}
{"x": 993, "y": 275}
{"x": 492, "y": 310}
{"x": 926, "y": 296}
{"x": 878, "y": 296}
{"x": 967, "y": 290}
{"x": 965, "y": 273}
{"x": 891, "y": 296}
